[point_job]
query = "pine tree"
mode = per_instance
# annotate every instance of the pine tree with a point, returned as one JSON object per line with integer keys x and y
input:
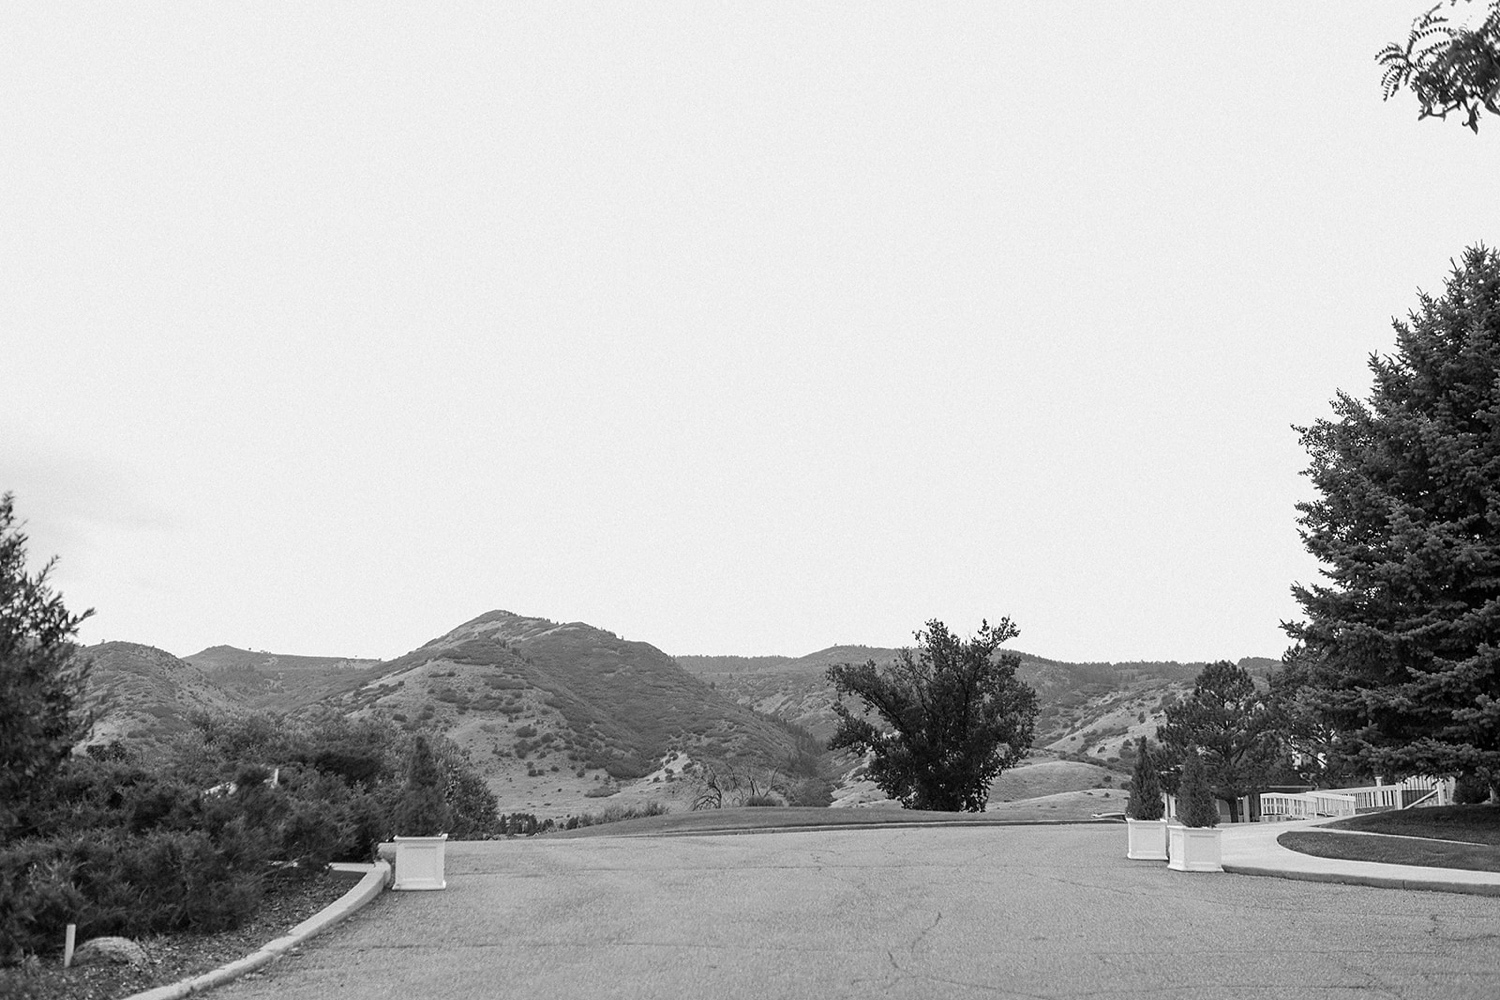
{"x": 1400, "y": 651}
{"x": 41, "y": 675}
{"x": 1230, "y": 723}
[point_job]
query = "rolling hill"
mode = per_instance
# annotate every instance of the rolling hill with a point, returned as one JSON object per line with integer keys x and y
{"x": 558, "y": 715}
{"x": 280, "y": 683}
{"x": 143, "y": 693}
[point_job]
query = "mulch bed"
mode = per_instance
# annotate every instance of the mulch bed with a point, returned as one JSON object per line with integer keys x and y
{"x": 289, "y": 900}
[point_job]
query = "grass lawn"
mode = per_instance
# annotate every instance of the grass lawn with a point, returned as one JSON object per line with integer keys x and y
{"x": 1477, "y": 824}
{"x": 778, "y": 818}
{"x": 1386, "y": 837}
{"x": 1392, "y": 850}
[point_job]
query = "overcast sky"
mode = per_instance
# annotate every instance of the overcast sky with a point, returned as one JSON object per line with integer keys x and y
{"x": 745, "y": 328}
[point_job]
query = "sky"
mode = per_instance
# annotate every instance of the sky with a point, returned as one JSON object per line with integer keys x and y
{"x": 736, "y": 329}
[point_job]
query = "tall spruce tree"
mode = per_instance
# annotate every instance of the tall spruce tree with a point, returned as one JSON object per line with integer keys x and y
{"x": 1400, "y": 650}
{"x": 41, "y": 675}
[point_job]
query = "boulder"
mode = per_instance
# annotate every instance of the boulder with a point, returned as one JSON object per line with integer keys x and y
{"x": 110, "y": 951}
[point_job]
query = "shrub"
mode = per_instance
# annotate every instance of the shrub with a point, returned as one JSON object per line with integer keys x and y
{"x": 1196, "y": 805}
{"x": 1471, "y": 788}
{"x": 422, "y": 810}
{"x": 1145, "y": 786}
{"x": 616, "y": 813}
{"x": 109, "y": 883}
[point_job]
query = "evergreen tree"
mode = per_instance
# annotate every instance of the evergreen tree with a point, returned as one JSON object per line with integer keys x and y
{"x": 1195, "y": 800}
{"x": 41, "y": 675}
{"x": 958, "y": 715}
{"x": 1400, "y": 650}
{"x": 1145, "y": 786}
{"x": 422, "y": 811}
{"x": 1230, "y": 724}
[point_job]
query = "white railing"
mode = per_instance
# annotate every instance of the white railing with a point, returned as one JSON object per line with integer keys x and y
{"x": 1304, "y": 805}
{"x": 1348, "y": 801}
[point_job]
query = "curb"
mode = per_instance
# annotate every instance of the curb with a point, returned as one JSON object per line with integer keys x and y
{"x": 377, "y": 877}
{"x": 1378, "y": 881}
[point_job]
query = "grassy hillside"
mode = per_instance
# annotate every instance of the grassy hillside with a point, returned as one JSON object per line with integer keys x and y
{"x": 552, "y": 712}
{"x": 143, "y": 693}
{"x": 277, "y": 682}
{"x": 1089, "y": 712}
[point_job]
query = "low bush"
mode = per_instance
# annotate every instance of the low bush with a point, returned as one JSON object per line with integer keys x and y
{"x": 181, "y": 842}
{"x": 616, "y": 813}
{"x": 116, "y": 883}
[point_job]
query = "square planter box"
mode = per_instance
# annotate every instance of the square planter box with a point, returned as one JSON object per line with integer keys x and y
{"x": 1194, "y": 848}
{"x": 419, "y": 862}
{"x": 1147, "y": 839}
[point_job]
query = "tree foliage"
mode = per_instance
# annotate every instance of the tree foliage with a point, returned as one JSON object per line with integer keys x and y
{"x": 1195, "y": 797}
{"x": 1145, "y": 786}
{"x": 1449, "y": 67}
{"x": 422, "y": 810}
{"x": 41, "y": 676}
{"x": 1400, "y": 650}
{"x": 1228, "y": 724}
{"x": 957, "y": 715}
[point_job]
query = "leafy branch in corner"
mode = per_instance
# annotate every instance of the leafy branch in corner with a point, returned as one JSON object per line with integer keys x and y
{"x": 1448, "y": 67}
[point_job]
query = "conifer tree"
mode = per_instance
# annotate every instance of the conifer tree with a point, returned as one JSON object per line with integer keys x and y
{"x": 422, "y": 811}
{"x": 1400, "y": 649}
{"x": 1195, "y": 800}
{"x": 42, "y": 676}
{"x": 1145, "y": 786}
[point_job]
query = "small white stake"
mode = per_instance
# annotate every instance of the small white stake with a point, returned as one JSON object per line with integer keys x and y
{"x": 68, "y": 946}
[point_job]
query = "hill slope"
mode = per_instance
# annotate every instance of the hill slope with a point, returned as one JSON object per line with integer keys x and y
{"x": 552, "y": 711}
{"x": 1088, "y": 710}
{"x": 280, "y": 683}
{"x": 144, "y": 693}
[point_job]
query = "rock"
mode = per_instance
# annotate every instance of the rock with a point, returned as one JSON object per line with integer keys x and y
{"x": 111, "y": 950}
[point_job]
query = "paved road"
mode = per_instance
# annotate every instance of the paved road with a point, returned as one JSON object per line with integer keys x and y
{"x": 967, "y": 912}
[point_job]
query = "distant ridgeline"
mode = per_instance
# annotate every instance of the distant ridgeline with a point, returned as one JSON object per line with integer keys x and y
{"x": 510, "y": 688}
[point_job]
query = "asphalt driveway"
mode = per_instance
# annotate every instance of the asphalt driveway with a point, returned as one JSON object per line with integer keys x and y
{"x": 1051, "y": 911}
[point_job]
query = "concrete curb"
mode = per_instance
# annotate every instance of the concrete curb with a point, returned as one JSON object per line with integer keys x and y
{"x": 1378, "y": 881}
{"x": 377, "y": 877}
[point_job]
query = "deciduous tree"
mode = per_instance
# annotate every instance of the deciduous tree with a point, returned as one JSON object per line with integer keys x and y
{"x": 1448, "y": 66}
{"x": 955, "y": 714}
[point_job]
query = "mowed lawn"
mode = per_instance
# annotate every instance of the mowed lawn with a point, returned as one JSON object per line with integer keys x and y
{"x": 1464, "y": 837}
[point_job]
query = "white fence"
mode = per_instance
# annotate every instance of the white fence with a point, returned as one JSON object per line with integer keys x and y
{"x": 1304, "y": 805}
{"x": 1348, "y": 801}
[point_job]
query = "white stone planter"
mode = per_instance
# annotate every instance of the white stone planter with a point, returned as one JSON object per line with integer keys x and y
{"x": 419, "y": 862}
{"x": 1147, "y": 839}
{"x": 1194, "y": 848}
